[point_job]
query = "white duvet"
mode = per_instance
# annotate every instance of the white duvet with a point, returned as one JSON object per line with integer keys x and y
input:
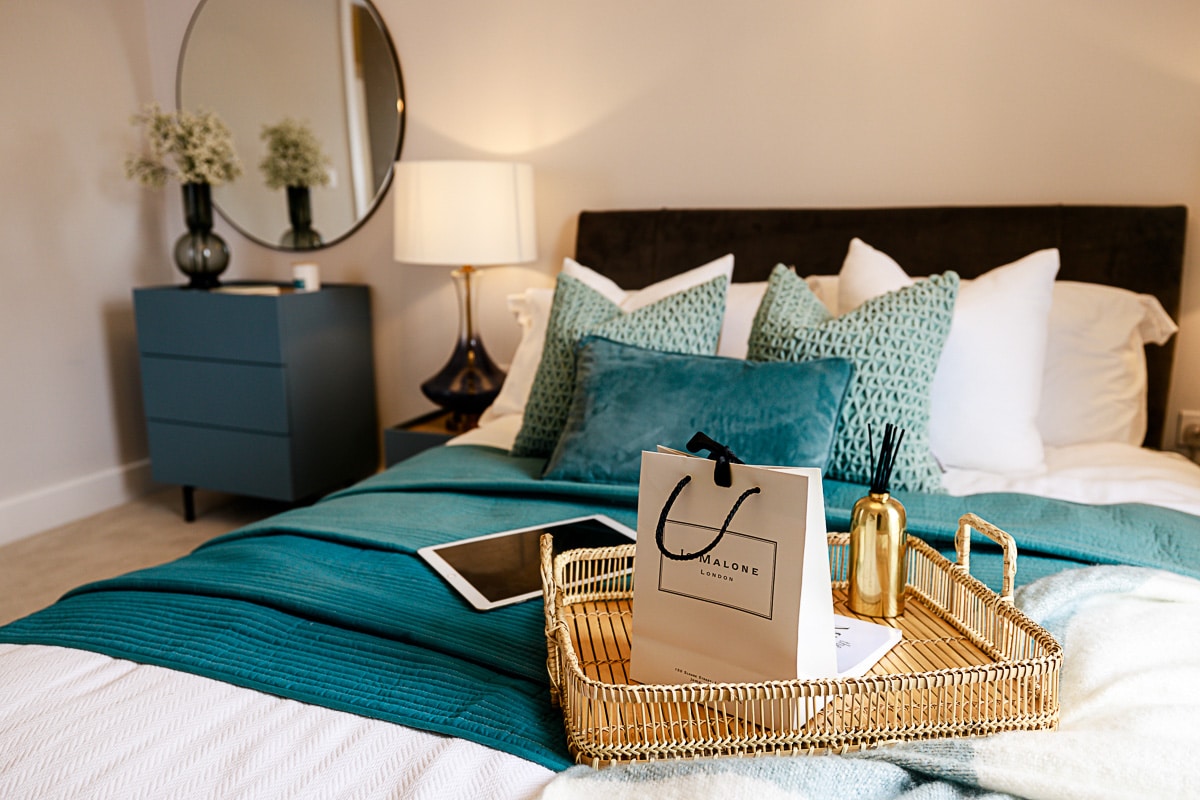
{"x": 1098, "y": 474}
{"x": 75, "y": 724}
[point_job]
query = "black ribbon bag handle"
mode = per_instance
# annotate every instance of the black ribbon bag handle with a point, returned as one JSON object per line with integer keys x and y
{"x": 722, "y": 476}
{"x": 716, "y": 452}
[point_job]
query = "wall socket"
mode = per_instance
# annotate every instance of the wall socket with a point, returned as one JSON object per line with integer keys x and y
{"x": 1189, "y": 429}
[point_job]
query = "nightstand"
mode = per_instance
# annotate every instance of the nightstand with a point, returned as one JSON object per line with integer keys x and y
{"x": 409, "y": 438}
{"x": 268, "y": 396}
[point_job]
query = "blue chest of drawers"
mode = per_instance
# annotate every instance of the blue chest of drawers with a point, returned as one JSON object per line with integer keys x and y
{"x": 269, "y": 396}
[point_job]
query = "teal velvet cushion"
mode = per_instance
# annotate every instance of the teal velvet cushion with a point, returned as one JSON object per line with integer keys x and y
{"x": 894, "y": 340}
{"x": 685, "y": 322}
{"x": 629, "y": 399}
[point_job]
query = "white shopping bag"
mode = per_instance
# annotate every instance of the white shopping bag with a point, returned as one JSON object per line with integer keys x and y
{"x": 744, "y": 595}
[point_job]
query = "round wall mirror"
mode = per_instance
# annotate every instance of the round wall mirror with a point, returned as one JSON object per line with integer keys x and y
{"x": 328, "y": 65}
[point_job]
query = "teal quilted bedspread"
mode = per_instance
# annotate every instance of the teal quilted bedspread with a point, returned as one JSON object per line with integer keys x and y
{"x": 330, "y": 604}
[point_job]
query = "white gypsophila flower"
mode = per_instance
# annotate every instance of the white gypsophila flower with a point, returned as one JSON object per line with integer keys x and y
{"x": 198, "y": 144}
{"x": 294, "y": 156}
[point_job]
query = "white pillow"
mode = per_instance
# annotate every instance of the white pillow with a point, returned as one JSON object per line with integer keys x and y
{"x": 741, "y": 304}
{"x": 985, "y": 397}
{"x": 633, "y": 300}
{"x": 532, "y": 310}
{"x": 1095, "y": 383}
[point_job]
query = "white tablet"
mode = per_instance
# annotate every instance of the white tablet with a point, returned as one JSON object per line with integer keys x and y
{"x": 503, "y": 568}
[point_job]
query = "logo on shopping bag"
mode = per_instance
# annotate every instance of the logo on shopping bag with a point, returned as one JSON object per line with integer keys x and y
{"x": 738, "y": 573}
{"x": 716, "y": 565}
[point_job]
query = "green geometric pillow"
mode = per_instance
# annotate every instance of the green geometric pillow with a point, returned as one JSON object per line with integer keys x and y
{"x": 685, "y": 322}
{"x": 894, "y": 341}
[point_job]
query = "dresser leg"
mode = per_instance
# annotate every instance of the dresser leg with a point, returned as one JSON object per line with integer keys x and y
{"x": 189, "y": 503}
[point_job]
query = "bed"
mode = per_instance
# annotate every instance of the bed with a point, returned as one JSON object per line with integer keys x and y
{"x": 314, "y": 655}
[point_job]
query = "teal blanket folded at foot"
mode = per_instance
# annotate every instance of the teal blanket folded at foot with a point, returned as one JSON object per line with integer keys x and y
{"x": 331, "y": 605}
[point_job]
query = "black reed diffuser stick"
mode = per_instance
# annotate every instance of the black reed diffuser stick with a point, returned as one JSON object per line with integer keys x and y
{"x": 878, "y": 569}
{"x": 881, "y": 469}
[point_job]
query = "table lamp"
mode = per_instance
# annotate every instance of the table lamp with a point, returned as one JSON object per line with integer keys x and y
{"x": 465, "y": 214}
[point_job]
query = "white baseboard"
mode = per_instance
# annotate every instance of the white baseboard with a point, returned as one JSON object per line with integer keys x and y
{"x": 49, "y": 507}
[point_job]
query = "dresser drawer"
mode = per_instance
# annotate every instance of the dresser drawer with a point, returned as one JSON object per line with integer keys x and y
{"x": 184, "y": 322}
{"x": 256, "y": 464}
{"x": 249, "y": 397}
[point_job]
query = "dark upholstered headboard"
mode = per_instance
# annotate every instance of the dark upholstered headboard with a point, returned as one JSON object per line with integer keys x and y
{"x": 1136, "y": 247}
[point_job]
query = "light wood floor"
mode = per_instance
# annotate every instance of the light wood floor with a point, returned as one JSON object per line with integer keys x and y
{"x": 36, "y": 571}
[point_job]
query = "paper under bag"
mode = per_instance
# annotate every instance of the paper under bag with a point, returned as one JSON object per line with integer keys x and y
{"x": 755, "y": 607}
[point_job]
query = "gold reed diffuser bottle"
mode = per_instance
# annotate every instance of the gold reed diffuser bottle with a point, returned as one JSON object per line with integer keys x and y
{"x": 878, "y": 539}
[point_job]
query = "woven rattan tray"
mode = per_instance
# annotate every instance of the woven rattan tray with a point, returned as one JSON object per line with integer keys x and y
{"x": 969, "y": 664}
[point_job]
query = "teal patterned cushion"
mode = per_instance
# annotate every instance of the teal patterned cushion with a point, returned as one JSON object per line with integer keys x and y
{"x": 894, "y": 341}
{"x": 685, "y": 322}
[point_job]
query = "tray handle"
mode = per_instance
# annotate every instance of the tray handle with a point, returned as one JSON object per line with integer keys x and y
{"x": 962, "y": 546}
{"x": 549, "y": 605}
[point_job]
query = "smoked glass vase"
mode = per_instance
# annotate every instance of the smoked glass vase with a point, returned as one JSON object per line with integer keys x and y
{"x": 301, "y": 236}
{"x": 200, "y": 254}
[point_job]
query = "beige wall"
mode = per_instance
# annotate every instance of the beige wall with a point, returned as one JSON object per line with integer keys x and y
{"x": 74, "y": 237}
{"x": 617, "y": 104}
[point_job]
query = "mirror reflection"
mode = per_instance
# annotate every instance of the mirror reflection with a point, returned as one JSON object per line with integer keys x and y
{"x": 323, "y": 71}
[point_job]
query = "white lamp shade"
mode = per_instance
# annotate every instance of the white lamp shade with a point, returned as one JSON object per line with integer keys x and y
{"x": 464, "y": 212}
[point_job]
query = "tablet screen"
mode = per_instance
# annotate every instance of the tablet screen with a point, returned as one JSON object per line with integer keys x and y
{"x": 505, "y": 567}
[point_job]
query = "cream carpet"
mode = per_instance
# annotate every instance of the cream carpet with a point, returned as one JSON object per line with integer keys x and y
{"x": 36, "y": 571}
